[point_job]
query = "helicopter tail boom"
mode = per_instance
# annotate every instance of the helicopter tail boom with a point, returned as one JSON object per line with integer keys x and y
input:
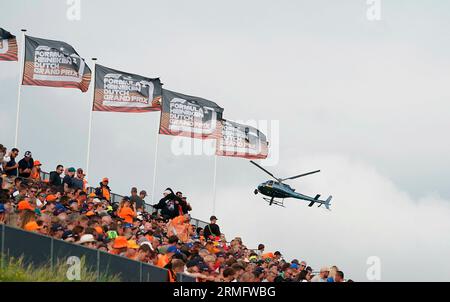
{"x": 326, "y": 203}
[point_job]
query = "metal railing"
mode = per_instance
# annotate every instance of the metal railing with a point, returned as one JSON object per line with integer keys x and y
{"x": 37, "y": 250}
{"x": 116, "y": 198}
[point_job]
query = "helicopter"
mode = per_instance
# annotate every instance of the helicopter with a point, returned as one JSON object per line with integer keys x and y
{"x": 278, "y": 189}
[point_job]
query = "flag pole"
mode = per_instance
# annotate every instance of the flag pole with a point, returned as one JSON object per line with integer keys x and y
{"x": 214, "y": 185}
{"x": 91, "y": 105}
{"x": 21, "y": 56}
{"x": 156, "y": 160}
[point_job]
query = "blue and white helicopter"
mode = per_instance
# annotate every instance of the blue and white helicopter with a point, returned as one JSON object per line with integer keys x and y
{"x": 278, "y": 189}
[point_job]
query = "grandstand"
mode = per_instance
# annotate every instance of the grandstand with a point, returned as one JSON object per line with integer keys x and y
{"x": 122, "y": 235}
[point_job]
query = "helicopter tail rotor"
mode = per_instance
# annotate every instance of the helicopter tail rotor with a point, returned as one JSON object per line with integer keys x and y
{"x": 328, "y": 202}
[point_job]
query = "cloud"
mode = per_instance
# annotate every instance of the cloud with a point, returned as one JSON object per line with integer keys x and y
{"x": 370, "y": 217}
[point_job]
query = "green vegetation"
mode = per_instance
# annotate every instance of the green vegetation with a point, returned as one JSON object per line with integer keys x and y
{"x": 15, "y": 270}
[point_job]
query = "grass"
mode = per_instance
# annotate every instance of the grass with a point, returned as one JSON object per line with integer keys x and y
{"x": 15, "y": 270}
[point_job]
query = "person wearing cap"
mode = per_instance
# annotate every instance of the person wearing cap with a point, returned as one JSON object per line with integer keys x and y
{"x": 164, "y": 259}
{"x": 36, "y": 171}
{"x": 25, "y": 165}
{"x": 32, "y": 226}
{"x": 132, "y": 248}
{"x": 104, "y": 191}
{"x": 24, "y": 205}
{"x": 212, "y": 230}
{"x": 56, "y": 231}
{"x": 120, "y": 245}
{"x": 68, "y": 179}
{"x": 322, "y": 276}
{"x": 88, "y": 240}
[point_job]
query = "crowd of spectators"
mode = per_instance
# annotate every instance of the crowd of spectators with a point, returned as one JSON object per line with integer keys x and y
{"x": 63, "y": 207}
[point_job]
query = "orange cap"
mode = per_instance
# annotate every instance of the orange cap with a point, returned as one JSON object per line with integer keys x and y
{"x": 99, "y": 229}
{"x": 90, "y": 213}
{"x": 105, "y": 179}
{"x": 120, "y": 242}
{"x": 132, "y": 244}
{"x": 37, "y": 163}
{"x": 24, "y": 205}
{"x": 51, "y": 198}
{"x": 32, "y": 226}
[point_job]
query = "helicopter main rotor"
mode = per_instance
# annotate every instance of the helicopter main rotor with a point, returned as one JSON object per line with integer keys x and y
{"x": 280, "y": 180}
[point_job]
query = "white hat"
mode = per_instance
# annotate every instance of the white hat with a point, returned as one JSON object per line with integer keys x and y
{"x": 167, "y": 192}
{"x": 86, "y": 238}
{"x": 96, "y": 200}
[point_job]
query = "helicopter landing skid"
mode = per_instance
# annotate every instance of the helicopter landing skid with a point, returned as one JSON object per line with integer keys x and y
{"x": 272, "y": 201}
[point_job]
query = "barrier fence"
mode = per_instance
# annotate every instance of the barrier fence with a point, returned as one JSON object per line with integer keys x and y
{"x": 116, "y": 198}
{"x": 39, "y": 250}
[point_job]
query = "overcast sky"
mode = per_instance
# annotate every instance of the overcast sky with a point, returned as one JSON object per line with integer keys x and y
{"x": 364, "y": 101}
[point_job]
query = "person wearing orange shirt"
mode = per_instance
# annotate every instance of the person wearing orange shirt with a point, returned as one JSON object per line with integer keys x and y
{"x": 164, "y": 259}
{"x": 125, "y": 211}
{"x": 180, "y": 227}
{"x": 104, "y": 191}
{"x": 36, "y": 171}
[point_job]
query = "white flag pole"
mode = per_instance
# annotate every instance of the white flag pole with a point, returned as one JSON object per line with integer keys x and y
{"x": 156, "y": 160}
{"x": 21, "y": 56}
{"x": 91, "y": 105}
{"x": 214, "y": 185}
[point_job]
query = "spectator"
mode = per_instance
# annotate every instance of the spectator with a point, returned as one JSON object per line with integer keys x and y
{"x": 247, "y": 277}
{"x": 78, "y": 181}
{"x": 9, "y": 164}
{"x": 167, "y": 204}
{"x": 185, "y": 206}
{"x": 36, "y": 171}
{"x": 126, "y": 212}
{"x": 322, "y": 276}
{"x": 177, "y": 266}
{"x": 339, "y": 277}
{"x": 229, "y": 274}
{"x": 277, "y": 255}
{"x": 88, "y": 240}
{"x": 103, "y": 191}
{"x": 304, "y": 276}
{"x": 166, "y": 241}
{"x": 143, "y": 195}
{"x": 212, "y": 230}
{"x": 136, "y": 200}
{"x": 55, "y": 177}
{"x": 3, "y": 151}
{"x": 260, "y": 250}
{"x": 68, "y": 179}
{"x": 302, "y": 266}
{"x": 332, "y": 273}
{"x": 25, "y": 165}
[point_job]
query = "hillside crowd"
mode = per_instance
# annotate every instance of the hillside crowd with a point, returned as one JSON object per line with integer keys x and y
{"x": 64, "y": 208}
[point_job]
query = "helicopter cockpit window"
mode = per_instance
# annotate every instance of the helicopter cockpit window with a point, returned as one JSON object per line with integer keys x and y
{"x": 270, "y": 182}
